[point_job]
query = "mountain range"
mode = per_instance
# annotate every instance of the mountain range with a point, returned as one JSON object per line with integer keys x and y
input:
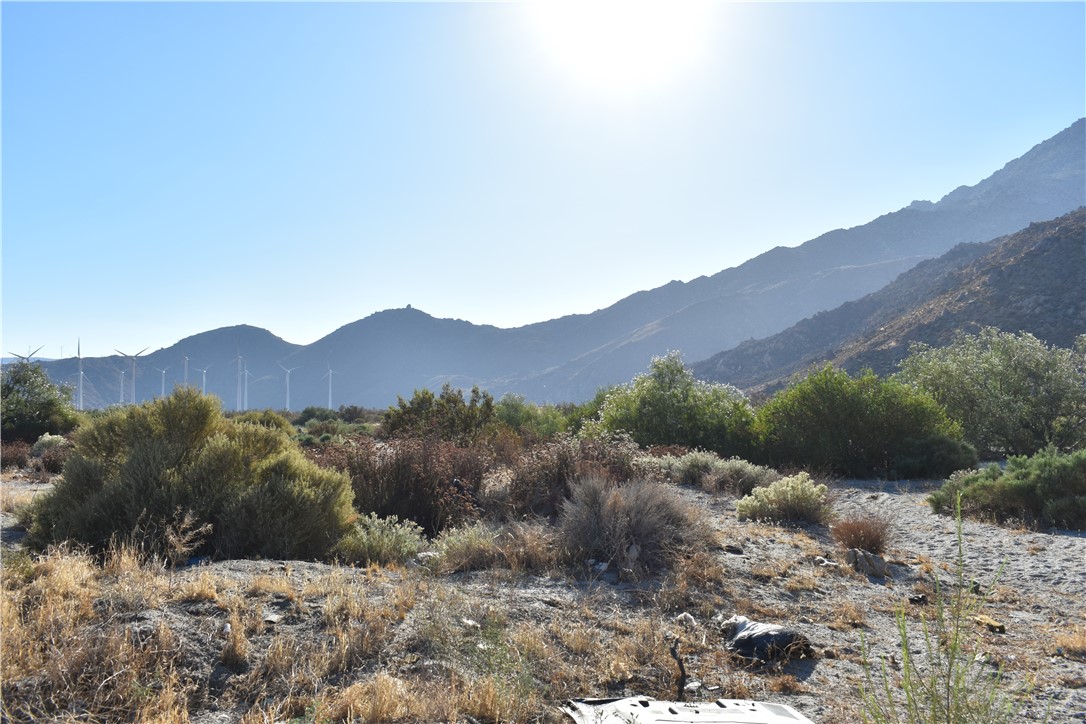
{"x": 1031, "y": 281}
{"x": 371, "y": 361}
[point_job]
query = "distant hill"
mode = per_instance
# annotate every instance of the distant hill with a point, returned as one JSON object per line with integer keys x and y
{"x": 568, "y": 359}
{"x": 1032, "y": 281}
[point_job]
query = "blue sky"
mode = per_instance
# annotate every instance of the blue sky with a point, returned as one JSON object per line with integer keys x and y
{"x": 174, "y": 168}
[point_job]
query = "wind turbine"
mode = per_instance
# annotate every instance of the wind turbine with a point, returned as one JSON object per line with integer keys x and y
{"x": 123, "y": 370}
{"x": 29, "y": 357}
{"x": 79, "y": 355}
{"x": 288, "y": 371}
{"x": 203, "y": 386}
{"x": 133, "y": 358}
{"x": 248, "y": 375}
{"x": 186, "y": 370}
{"x": 162, "y": 393}
{"x": 239, "y": 359}
{"x": 329, "y": 376}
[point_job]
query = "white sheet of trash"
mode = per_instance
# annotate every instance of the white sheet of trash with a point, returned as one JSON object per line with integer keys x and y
{"x": 644, "y": 710}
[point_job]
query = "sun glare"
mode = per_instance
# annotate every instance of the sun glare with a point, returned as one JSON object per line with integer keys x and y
{"x": 621, "y": 49}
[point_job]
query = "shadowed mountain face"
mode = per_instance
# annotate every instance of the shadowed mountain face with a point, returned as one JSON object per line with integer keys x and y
{"x": 1032, "y": 281}
{"x": 567, "y": 359}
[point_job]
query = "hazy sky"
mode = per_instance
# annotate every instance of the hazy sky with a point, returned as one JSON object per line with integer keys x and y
{"x": 174, "y": 168}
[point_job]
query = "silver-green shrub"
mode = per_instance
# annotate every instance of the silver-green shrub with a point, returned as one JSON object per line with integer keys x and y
{"x": 795, "y": 498}
{"x": 381, "y": 541}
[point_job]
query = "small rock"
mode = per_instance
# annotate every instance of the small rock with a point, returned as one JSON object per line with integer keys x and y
{"x": 920, "y": 599}
{"x": 866, "y": 563}
{"x": 990, "y": 623}
{"x": 686, "y": 620}
{"x": 733, "y": 550}
{"x": 470, "y": 623}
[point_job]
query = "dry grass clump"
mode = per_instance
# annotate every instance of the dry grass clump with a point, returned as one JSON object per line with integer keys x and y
{"x": 1073, "y": 643}
{"x": 640, "y": 526}
{"x": 55, "y": 647}
{"x": 713, "y": 474}
{"x": 869, "y": 532}
{"x": 15, "y": 501}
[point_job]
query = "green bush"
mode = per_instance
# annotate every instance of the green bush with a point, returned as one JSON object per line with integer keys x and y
{"x": 46, "y": 442}
{"x": 266, "y": 418}
{"x": 446, "y": 416}
{"x": 710, "y": 472}
{"x": 668, "y": 406}
{"x": 795, "y": 498}
{"x": 380, "y": 541}
{"x": 434, "y": 483}
{"x": 1012, "y": 394}
{"x": 535, "y": 422}
{"x": 31, "y": 405}
{"x": 132, "y": 470}
{"x": 638, "y": 527}
{"x": 1047, "y": 489}
{"x": 855, "y": 427}
{"x": 934, "y": 456}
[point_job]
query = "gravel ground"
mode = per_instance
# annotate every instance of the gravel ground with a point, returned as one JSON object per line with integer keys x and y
{"x": 790, "y": 576}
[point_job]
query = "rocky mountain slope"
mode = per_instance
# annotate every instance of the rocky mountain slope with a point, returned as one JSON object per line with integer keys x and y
{"x": 1033, "y": 281}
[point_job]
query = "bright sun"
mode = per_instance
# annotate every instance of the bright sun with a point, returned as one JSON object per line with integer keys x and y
{"x": 622, "y": 49}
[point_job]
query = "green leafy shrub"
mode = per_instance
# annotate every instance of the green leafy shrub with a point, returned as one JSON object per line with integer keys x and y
{"x": 446, "y": 416}
{"x": 432, "y": 482}
{"x": 668, "y": 406}
{"x": 535, "y": 422}
{"x": 638, "y": 527}
{"x": 15, "y": 453}
{"x": 849, "y": 426}
{"x": 267, "y": 418}
{"x": 134, "y": 468}
{"x": 380, "y": 541}
{"x": 31, "y": 405}
{"x": 935, "y": 456}
{"x": 710, "y": 472}
{"x": 795, "y": 498}
{"x": 1048, "y": 489}
{"x": 1012, "y": 394}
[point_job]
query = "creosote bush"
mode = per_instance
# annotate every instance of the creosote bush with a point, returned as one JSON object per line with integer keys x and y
{"x": 639, "y": 526}
{"x": 1047, "y": 489}
{"x": 133, "y": 469}
{"x": 795, "y": 498}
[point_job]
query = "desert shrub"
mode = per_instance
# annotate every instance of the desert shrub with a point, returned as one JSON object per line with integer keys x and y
{"x": 1048, "y": 489}
{"x": 536, "y": 422}
{"x": 31, "y": 405}
{"x": 1012, "y": 394}
{"x": 543, "y": 474}
{"x": 132, "y": 469}
{"x": 447, "y": 416}
{"x": 48, "y": 442}
{"x": 710, "y": 472}
{"x": 468, "y": 548}
{"x": 795, "y": 498}
{"x": 432, "y": 482}
{"x": 639, "y": 526}
{"x": 359, "y": 415}
{"x": 868, "y": 532}
{"x": 313, "y": 412}
{"x": 935, "y": 456}
{"x": 382, "y": 541}
{"x": 14, "y": 453}
{"x": 52, "y": 460}
{"x": 267, "y": 418}
{"x": 849, "y": 426}
{"x": 668, "y": 406}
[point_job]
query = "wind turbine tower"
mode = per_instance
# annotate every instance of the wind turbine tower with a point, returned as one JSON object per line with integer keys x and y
{"x": 133, "y": 358}
{"x": 123, "y": 370}
{"x": 240, "y": 360}
{"x": 288, "y": 371}
{"x": 329, "y": 376}
{"x": 162, "y": 392}
{"x": 79, "y": 355}
{"x": 203, "y": 386}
